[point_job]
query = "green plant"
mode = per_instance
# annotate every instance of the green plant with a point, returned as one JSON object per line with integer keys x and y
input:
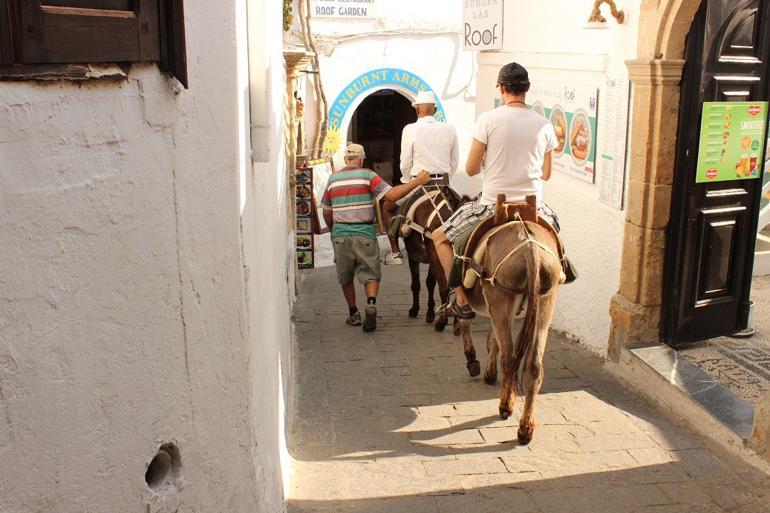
{"x": 288, "y": 16}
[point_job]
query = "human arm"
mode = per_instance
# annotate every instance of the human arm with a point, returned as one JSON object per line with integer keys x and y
{"x": 326, "y": 206}
{"x": 396, "y": 193}
{"x": 328, "y": 218}
{"x": 547, "y": 165}
{"x": 475, "y": 158}
{"x": 407, "y": 153}
{"x": 454, "y": 156}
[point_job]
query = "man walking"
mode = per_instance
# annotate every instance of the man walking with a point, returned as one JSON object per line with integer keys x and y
{"x": 428, "y": 145}
{"x": 348, "y": 207}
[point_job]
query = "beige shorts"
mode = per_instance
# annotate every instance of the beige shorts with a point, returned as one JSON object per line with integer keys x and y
{"x": 357, "y": 257}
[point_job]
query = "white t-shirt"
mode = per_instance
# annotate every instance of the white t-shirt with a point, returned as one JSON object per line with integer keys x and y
{"x": 430, "y": 145}
{"x": 517, "y": 141}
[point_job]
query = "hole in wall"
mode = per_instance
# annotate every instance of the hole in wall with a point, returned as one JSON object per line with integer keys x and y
{"x": 163, "y": 471}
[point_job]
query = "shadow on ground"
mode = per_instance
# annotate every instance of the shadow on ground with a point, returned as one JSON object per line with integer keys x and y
{"x": 391, "y": 421}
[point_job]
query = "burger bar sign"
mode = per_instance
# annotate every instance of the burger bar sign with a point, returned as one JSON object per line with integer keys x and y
{"x": 483, "y": 27}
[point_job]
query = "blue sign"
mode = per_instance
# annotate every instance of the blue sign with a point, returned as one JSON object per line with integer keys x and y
{"x": 377, "y": 78}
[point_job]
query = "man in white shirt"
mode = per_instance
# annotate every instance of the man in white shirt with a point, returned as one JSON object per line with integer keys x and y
{"x": 427, "y": 144}
{"x": 515, "y": 147}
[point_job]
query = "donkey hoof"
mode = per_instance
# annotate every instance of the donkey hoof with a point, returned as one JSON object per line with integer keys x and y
{"x": 430, "y": 317}
{"x": 440, "y": 324}
{"x": 504, "y": 412}
{"x": 457, "y": 331}
{"x": 525, "y": 435}
{"x": 414, "y": 312}
{"x": 490, "y": 380}
{"x": 474, "y": 368}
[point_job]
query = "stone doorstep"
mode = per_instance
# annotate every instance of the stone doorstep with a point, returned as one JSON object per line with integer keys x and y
{"x": 688, "y": 395}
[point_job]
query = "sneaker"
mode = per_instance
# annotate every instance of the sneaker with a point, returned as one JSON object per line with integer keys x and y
{"x": 394, "y": 259}
{"x": 354, "y": 320}
{"x": 370, "y": 320}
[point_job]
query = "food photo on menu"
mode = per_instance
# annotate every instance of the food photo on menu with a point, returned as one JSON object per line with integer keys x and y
{"x": 304, "y": 241}
{"x": 304, "y": 192}
{"x": 303, "y": 208}
{"x": 580, "y": 135}
{"x": 303, "y": 225}
{"x": 303, "y": 176}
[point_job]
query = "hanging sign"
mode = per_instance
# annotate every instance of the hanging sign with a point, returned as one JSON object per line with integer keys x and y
{"x": 483, "y": 24}
{"x": 572, "y": 112}
{"x": 732, "y": 141}
{"x": 344, "y": 8}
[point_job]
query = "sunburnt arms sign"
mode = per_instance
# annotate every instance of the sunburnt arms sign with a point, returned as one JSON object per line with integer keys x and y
{"x": 483, "y": 24}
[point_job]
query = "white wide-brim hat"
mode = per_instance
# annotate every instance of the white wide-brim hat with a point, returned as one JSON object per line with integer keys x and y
{"x": 424, "y": 98}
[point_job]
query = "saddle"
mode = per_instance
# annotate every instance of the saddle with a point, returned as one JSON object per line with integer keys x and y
{"x": 510, "y": 214}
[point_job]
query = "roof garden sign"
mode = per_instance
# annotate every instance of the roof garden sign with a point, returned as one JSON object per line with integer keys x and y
{"x": 483, "y": 24}
{"x": 360, "y": 9}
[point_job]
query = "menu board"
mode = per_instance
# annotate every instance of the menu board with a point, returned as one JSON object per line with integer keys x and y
{"x": 614, "y": 120}
{"x": 732, "y": 141}
{"x": 304, "y": 228}
{"x": 572, "y": 111}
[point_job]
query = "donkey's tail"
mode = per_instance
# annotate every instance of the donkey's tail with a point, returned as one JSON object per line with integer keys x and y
{"x": 526, "y": 340}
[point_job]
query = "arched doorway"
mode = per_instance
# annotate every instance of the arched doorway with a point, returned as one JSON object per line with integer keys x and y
{"x": 377, "y": 124}
{"x": 636, "y": 309}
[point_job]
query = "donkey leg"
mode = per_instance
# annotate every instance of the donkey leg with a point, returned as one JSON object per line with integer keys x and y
{"x": 472, "y": 364}
{"x": 490, "y": 373}
{"x": 533, "y": 367}
{"x": 500, "y": 307}
{"x": 443, "y": 289}
{"x": 430, "y": 282}
{"x": 414, "y": 269}
{"x": 456, "y": 328}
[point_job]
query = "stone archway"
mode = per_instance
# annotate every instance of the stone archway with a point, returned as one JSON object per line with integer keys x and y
{"x": 656, "y": 75}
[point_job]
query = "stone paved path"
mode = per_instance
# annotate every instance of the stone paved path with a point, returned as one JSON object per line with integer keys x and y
{"x": 391, "y": 422}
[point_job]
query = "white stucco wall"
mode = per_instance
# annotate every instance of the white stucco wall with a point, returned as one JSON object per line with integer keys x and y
{"x": 123, "y": 318}
{"x": 558, "y": 49}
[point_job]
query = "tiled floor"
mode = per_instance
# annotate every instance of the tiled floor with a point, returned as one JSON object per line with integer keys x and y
{"x": 743, "y": 365}
{"x": 391, "y": 422}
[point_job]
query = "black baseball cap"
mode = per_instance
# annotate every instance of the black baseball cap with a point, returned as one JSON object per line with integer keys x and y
{"x": 513, "y": 74}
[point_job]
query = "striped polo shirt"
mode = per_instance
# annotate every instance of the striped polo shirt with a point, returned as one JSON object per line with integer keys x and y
{"x": 350, "y": 195}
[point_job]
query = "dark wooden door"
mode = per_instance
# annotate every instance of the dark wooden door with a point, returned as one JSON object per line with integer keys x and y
{"x": 712, "y": 232}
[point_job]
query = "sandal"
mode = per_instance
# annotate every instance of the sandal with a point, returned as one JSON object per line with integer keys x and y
{"x": 464, "y": 312}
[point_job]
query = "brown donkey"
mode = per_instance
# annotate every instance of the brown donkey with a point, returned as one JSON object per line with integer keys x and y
{"x": 521, "y": 273}
{"x": 433, "y": 205}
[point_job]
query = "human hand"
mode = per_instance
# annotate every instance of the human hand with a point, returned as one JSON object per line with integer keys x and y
{"x": 423, "y": 177}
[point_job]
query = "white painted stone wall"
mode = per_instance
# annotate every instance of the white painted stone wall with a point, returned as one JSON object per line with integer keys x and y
{"x": 557, "y": 49}
{"x": 124, "y": 321}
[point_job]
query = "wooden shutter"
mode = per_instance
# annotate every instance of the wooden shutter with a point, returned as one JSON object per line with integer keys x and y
{"x": 6, "y": 43}
{"x": 89, "y": 31}
{"x": 173, "y": 43}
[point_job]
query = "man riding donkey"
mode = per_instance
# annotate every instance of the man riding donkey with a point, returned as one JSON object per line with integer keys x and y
{"x": 514, "y": 145}
{"x": 427, "y": 144}
{"x": 514, "y": 261}
{"x": 348, "y": 207}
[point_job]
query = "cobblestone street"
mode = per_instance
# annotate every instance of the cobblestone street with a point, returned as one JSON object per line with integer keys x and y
{"x": 391, "y": 422}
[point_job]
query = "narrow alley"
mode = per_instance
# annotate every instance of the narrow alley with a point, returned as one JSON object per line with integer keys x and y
{"x": 391, "y": 422}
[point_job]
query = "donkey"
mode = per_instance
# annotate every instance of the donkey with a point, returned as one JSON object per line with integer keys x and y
{"x": 438, "y": 203}
{"x": 521, "y": 265}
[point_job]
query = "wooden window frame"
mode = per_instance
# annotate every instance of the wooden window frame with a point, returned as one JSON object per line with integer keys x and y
{"x": 46, "y": 38}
